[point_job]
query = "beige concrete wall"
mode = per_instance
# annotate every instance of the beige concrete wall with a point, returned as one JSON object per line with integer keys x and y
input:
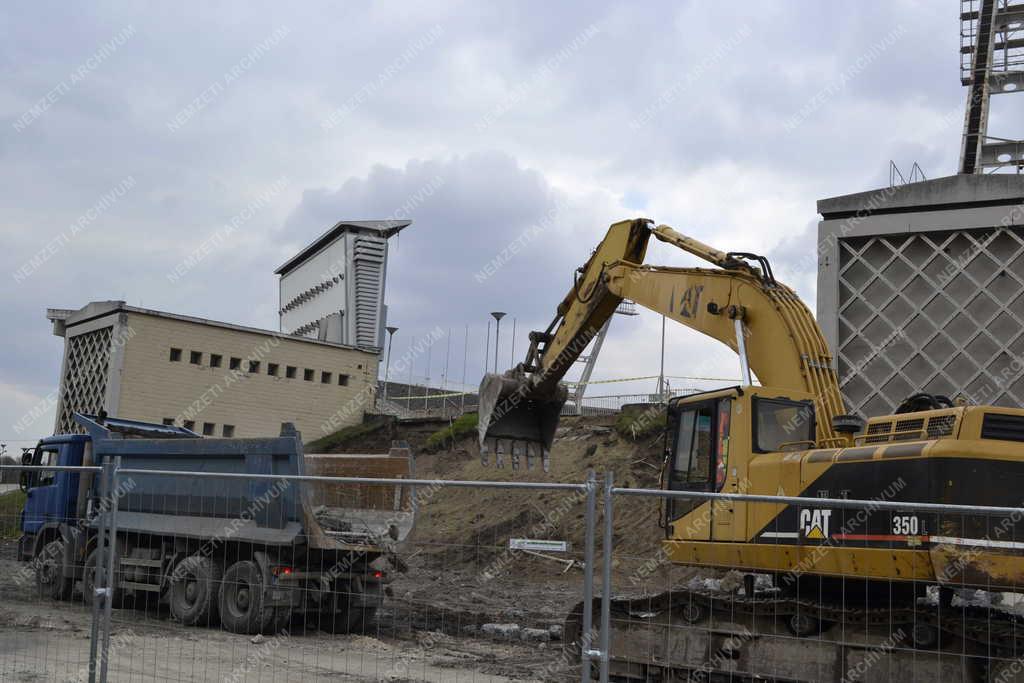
{"x": 154, "y": 388}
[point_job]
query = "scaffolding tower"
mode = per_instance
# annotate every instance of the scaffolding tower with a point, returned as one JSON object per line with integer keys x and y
{"x": 991, "y": 63}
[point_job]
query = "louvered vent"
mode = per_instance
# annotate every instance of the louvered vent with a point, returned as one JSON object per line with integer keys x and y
{"x": 910, "y": 429}
{"x": 941, "y": 425}
{"x": 878, "y": 432}
{"x": 368, "y": 261}
{"x": 1003, "y": 427}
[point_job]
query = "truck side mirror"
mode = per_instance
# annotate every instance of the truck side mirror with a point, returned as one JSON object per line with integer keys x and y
{"x": 25, "y": 476}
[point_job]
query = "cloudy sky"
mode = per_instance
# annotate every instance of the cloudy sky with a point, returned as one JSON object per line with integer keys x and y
{"x": 132, "y": 134}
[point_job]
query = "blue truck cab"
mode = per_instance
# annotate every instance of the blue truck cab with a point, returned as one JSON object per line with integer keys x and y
{"x": 246, "y": 552}
{"x": 51, "y": 497}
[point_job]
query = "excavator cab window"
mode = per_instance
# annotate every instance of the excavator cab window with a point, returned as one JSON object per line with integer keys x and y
{"x": 780, "y": 421}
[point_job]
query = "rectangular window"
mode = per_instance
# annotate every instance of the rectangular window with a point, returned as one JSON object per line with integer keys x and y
{"x": 175, "y": 355}
{"x": 169, "y": 421}
{"x": 780, "y": 421}
{"x": 272, "y": 369}
{"x": 694, "y": 445}
{"x": 254, "y": 366}
{"x": 208, "y": 428}
{"x": 235, "y": 363}
{"x": 307, "y": 375}
{"x": 215, "y": 359}
{"x": 325, "y": 377}
{"x": 190, "y": 425}
{"x": 289, "y": 372}
{"x": 342, "y": 380}
{"x": 228, "y": 431}
{"x": 195, "y": 357}
{"x": 48, "y": 456}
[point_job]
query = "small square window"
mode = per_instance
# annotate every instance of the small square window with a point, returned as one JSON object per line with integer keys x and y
{"x": 228, "y": 431}
{"x": 169, "y": 421}
{"x": 215, "y": 360}
{"x": 189, "y": 425}
{"x": 289, "y": 372}
{"x": 208, "y": 428}
{"x": 195, "y": 357}
{"x": 175, "y": 355}
{"x": 235, "y": 363}
{"x": 272, "y": 369}
{"x": 342, "y": 380}
{"x": 254, "y": 366}
{"x": 325, "y": 377}
{"x": 307, "y": 375}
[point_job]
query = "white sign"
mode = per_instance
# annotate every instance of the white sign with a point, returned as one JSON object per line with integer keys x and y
{"x": 537, "y": 544}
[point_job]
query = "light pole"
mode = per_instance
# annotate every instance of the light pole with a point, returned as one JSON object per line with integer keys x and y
{"x": 661, "y": 372}
{"x": 498, "y": 315}
{"x": 387, "y": 359}
{"x": 512, "y": 361}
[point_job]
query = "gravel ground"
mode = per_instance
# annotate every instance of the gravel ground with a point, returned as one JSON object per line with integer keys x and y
{"x": 413, "y": 640}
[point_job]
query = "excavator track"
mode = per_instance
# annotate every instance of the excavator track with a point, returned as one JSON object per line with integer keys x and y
{"x": 697, "y": 635}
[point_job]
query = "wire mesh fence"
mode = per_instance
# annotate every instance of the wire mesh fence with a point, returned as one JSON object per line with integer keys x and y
{"x": 225, "y": 576}
{"x": 230, "y": 576}
{"x": 821, "y": 589}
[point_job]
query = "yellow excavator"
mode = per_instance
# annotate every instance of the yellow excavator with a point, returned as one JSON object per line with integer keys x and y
{"x": 871, "y": 570}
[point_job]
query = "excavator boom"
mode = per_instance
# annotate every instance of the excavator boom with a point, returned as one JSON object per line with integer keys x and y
{"x": 740, "y": 304}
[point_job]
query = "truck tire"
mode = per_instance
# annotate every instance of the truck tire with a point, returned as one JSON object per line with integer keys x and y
{"x": 195, "y": 591}
{"x": 50, "y": 581}
{"x": 89, "y": 578}
{"x": 241, "y": 599}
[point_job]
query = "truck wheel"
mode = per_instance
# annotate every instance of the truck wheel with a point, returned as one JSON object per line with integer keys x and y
{"x": 241, "y": 599}
{"x": 49, "y": 566}
{"x": 345, "y": 620}
{"x": 194, "y": 591}
{"x": 89, "y": 579}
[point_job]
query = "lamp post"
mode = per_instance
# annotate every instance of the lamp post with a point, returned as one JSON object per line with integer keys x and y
{"x": 661, "y": 372}
{"x": 498, "y": 315}
{"x": 387, "y": 359}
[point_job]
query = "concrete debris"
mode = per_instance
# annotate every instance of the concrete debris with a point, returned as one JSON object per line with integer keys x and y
{"x": 535, "y": 635}
{"x": 501, "y": 630}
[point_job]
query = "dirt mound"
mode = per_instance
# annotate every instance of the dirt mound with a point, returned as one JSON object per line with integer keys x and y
{"x": 480, "y": 521}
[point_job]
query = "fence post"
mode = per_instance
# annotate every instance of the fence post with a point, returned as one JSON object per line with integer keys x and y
{"x": 588, "y": 578}
{"x": 112, "y": 560}
{"x": 99, "y": 579}
{"x": 606, "y": 577}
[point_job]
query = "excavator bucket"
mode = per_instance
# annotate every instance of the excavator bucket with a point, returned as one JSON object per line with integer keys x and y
{"x": 517, "y": 420}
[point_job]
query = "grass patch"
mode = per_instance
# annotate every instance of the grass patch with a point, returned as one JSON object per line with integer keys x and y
{"x": 11, "y": 505}
{"x": 640, "y": 422}
{"x": 465, "y": 424}
{"x": 343, "y": 436}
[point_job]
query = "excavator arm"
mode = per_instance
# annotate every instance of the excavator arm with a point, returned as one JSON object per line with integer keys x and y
{"x": 739, "y": 304}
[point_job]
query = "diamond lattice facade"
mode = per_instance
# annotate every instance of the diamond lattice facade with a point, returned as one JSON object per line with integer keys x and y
{"x": 921, "y": 288}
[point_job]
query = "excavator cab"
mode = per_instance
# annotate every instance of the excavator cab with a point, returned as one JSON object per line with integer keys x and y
{"x": 711, "y": 444}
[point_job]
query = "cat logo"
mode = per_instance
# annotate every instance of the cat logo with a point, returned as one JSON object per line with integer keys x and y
{"x": 814, "y": 523}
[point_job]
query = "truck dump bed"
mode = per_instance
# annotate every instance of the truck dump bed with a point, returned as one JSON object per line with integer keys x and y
{"x": 264, "y": 510}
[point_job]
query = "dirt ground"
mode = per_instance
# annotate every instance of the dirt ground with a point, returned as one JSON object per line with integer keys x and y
{"x": 460, "y": 577}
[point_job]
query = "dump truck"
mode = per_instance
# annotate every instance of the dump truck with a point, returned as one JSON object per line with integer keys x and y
{"x": 248, "y": 551}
